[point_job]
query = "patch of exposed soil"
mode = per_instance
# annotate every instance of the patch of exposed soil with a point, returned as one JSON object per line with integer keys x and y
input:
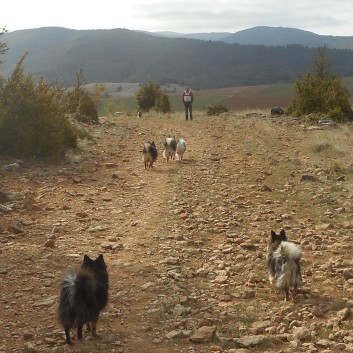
{"x": 184, "y": 242}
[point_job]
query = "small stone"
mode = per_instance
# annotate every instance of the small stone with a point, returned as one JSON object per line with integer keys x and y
{"x": 82, "y": 214}
{"x": 343, "y": 314}
{"x": 251, "y": 341}
{"x": 174, "y": 334}
{"x": 50, "y": 243}
{"x": 249, "y": 294}
{"x": 3, "y": 197}
{"x": 15, "y": 227}
{"x": 316, "y": 311}
{"x": 308, "y": 177}
{"x": 322, "y": 343}
{"x": 30, "y": 347}
{"x": 203, "y": 334}
{"x": 301, "y": 333}
{"x": 347, "y": 275}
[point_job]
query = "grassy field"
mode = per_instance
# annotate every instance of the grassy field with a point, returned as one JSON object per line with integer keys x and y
{"x": 120, "y": 97}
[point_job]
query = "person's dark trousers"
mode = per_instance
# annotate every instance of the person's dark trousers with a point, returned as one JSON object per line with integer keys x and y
{"x": 188, "y": 110}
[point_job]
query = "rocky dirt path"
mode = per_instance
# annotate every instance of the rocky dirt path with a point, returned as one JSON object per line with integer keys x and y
{"x": 184, "y": 243}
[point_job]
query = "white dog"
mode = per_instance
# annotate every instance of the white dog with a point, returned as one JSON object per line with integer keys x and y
{"x": 170, "y": 146}
{"x": 181, "y": 148}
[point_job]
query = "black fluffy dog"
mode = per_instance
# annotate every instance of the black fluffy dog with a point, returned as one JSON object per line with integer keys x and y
{"x": 84, "y": 294}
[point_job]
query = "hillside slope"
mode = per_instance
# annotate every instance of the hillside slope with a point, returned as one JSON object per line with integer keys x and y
{"x": 185, "y": 243}
{"x": 282, "y": 36}
{"x": 121, "y": 55}
{"x": 270, "y": 36}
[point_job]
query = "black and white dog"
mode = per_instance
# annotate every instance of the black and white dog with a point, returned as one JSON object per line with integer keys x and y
{"x": 150, "y": 154}
{"x": 170, "y": 147}
{"x": 283, "y": 261}
{"x": 181, "y": 148}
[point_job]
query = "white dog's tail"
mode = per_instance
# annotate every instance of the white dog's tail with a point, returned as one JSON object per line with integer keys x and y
{"x": 289, "y": 250}
{"x": 289, "y": 270}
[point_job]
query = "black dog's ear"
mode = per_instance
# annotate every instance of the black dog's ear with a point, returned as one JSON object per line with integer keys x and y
{"x": 273, "y": 236}
{"x": 283, "y": 235}
{"x": 86, "y": 259}
{"x": 100, "y": 260}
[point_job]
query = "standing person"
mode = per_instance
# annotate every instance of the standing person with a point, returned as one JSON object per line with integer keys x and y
{"x": 188, "y": 99}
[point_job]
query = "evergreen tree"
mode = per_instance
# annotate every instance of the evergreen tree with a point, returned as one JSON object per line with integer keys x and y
{"x": 162, "y": 103}
{"x": 321, "y": 92}
{"x": 32, "y": 121}
{"x": 79, "y": 103}
{"x": 150, "y": 96}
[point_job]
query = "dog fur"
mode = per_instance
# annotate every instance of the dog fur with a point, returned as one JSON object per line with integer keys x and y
{"x": 150, "y": 154}
{"x": 170, "y": 147}
{"x": 84, "y": 293}
{"x": 283, "y": 261}
{"x": 181, "y": 148}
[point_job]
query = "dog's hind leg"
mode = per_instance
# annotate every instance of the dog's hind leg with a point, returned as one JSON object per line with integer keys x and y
{"x": 88, "y": 327}
{"x": 286, "y": 290}
{"x": 94, "y": 328}
{"x": 295, "y": 290}
{"x": 79, "y": 331}
{"x": 67, "y": 334}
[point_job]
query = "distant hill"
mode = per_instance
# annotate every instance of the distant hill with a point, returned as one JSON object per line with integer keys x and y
{"x": 281, "y": 36}
{"x": 214, "y": 36}
{"x": 122, "y": 55}
{"x": 270, "y": 36}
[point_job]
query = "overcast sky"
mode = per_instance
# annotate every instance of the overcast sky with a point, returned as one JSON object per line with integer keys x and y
{"x": 329, "y": 17}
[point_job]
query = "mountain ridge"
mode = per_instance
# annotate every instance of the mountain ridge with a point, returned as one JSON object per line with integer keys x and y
{"x": 270, "y": 36}
{"x": 122, "y": 55}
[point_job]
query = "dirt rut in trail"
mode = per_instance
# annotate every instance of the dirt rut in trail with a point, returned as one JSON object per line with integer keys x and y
{"x": 99, "y": 200}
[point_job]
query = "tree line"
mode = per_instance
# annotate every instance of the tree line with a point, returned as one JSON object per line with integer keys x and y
{"x": 122, "y": 55}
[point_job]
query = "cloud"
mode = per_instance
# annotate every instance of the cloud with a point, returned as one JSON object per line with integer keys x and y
{"x": 324, "y": 17}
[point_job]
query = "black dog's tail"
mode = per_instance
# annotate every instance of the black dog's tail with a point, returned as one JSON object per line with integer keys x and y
{"x": 66, "y": 310}
{"x": 77, "y": 293}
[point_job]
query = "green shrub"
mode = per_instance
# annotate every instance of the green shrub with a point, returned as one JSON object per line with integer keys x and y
{"x": 32, "y": 120}
{"x": 321, "y": 93}
{"x": 150, "y": 96}
{"x": 336, "y": 114}
{"x": 217, "y": 109}
{"x": 80, "y": 103}
{"x": 162, "y": 103}
{"x": 147, "y": 95}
